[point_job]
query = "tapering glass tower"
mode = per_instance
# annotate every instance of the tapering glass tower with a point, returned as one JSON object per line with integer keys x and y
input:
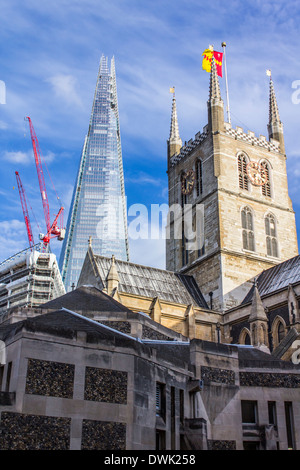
{"x": 98, "y": 208}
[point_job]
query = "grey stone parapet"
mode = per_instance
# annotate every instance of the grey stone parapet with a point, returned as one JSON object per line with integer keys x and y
{"x": 261, "y": 141}
{"x": 237, "y": 133}
{"x": 190, "y": 145}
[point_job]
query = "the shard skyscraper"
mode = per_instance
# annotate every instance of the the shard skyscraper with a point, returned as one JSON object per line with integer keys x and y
{"x": 98, "y": 208}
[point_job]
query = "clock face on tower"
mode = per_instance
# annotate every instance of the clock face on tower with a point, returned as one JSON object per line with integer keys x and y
{"x": 187, "y": 182}
{"x": 256, "y": 173}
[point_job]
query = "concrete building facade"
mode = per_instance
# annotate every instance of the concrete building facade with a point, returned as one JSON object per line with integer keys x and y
{"x": 106, "y": 378}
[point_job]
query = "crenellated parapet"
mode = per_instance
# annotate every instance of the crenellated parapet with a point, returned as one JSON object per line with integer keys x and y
{"x": 189, "y": 146}
{"x": 249, "y": 137}
{"x": 237, "y": 133}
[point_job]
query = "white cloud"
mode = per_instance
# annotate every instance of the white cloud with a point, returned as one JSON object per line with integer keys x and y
{"x": 142, "y": 178}
{"x": 26, "y": 158}
{"x": 64, "y": 87}
{"x": 13, "y": 238}
{"x": 23, "y": 158}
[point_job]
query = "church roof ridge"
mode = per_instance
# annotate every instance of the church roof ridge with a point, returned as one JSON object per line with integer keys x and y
{"x": 133, "y": 264}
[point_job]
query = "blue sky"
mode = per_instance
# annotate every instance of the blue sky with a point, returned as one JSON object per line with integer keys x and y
{"x": 50, "y": 55}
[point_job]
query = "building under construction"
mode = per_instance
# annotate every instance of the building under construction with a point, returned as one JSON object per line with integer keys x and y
{"x": 29, "y": 279}
{"x": 32, "y": 277}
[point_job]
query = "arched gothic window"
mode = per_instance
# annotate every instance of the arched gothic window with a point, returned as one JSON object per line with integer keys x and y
{"x": 280, "y": 332}
{"x": 248, "y": 229}
{"x": 199, "y": 175}
{"x": 266, "y": 188}
{"x": 271, "y": 236}
{"x": 245, "y": 337}
{"x": 242, "y": 169}
{"x": 182, "y": 195}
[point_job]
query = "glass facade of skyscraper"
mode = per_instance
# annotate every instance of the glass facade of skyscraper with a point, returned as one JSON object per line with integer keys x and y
{"x": 98, "y": 208}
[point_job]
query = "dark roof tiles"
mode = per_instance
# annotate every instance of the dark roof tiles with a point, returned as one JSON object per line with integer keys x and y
{"x": 276, "y": 278}
{"x": 152, "y": 282}
{"x": 86, "y": 298}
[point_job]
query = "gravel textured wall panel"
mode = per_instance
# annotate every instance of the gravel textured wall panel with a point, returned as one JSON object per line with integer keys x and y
{"x": 221, "y": 445}
{"x": 53, "y": 379}
{"x": 213, "y": 374}
{"x": 151, "y": 333}
{"x": 103, "y": 435}
{"x": 123, "y": 326}
{"x": 105, "y": 385}
{"x": 269, "y": 379}
{"x": 31, "y": 432}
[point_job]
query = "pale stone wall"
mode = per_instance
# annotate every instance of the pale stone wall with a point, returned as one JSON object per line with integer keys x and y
{"x": 176, "y": 316}
{"x": 207, "y": 274}
{"x": 228, "y": 275}
{"x": 204, "y": 152}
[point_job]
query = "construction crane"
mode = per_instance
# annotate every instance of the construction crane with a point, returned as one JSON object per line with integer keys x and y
{"x": 53, "y": 230}
{"x": 25, "y": 209}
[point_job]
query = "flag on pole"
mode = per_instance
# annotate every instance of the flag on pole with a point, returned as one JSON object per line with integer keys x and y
{"x": 172, "y": 90}
{"x": 206, "y": 62}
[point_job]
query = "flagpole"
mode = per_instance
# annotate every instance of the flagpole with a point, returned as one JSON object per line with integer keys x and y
{"x": 226, "y": 82}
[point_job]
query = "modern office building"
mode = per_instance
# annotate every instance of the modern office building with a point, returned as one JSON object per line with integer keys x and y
{"x": 98, "y": 207}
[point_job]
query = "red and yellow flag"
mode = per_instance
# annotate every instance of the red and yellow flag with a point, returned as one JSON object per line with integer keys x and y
{"x": 206, "y": 63}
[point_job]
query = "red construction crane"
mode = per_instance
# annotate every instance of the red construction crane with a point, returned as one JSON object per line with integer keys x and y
{"x": 53, "y": 230}
{"x": 25, "y": 210}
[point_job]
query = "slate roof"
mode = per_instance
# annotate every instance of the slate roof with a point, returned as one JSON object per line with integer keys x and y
{"x": 66, "y": 324}
{"x": 250, "y": 357}
{"x": 89, "y": 300}
{"x": 153, "y": 282}
{"x": 276, "y": 278}
{"x": 86, "y": 298}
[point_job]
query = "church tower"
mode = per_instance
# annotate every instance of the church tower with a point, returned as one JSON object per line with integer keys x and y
{"x": 239, "y": 181}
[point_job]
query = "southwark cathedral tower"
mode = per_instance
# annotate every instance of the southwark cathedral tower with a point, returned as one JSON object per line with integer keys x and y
{"x": 240, "y": 182}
